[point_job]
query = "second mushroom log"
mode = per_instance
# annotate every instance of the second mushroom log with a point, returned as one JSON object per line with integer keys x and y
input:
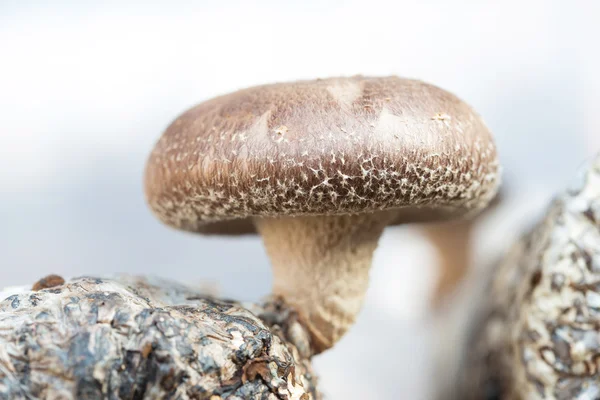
{"x": 319, "y": 169}
{"x": 535, "y": 334}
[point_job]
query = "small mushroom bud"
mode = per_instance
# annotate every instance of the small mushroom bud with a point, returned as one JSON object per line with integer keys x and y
{"x": 321, "y": 168}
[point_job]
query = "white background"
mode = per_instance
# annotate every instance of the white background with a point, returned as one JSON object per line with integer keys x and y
{"x": 87, "y": 87}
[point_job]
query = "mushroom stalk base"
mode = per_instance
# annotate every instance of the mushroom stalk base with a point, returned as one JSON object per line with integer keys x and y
{"x": 321, "y": 267}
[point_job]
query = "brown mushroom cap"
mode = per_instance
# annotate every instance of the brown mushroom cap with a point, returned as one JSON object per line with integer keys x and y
{"x": 329, "y": 146}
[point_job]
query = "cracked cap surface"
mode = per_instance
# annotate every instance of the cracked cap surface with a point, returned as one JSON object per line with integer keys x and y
{"x": 328, "y": 146}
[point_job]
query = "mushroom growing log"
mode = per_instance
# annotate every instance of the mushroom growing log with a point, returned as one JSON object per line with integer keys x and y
{"x": 136, "y": 338}
{"x": 537, "y": 336}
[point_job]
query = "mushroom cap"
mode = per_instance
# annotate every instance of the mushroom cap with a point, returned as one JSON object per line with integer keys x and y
{"x": 327, "y": 146}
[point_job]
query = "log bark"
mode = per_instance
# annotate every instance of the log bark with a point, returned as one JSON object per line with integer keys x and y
{"x": 537, "y": 335}
{"x": 142, "y": 338}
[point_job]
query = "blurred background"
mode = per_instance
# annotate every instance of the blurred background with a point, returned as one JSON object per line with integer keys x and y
{"x": 87, "y": 87}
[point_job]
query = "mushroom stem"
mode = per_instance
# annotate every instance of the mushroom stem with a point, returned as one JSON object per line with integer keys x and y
{"x": 321, "y": 267}
{"x": 452, "y": 244}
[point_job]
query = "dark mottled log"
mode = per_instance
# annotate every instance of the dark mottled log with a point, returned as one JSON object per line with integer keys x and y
{"x": 538, "y": 336}
{"x": 139, "y": 338}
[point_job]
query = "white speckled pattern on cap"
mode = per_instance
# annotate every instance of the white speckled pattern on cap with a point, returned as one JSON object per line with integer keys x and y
{"x": 329, "y": 146}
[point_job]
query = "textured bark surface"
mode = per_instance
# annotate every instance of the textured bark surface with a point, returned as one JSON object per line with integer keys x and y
{"x": 137, "y": 338}
{"x": 538, "y": 336}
